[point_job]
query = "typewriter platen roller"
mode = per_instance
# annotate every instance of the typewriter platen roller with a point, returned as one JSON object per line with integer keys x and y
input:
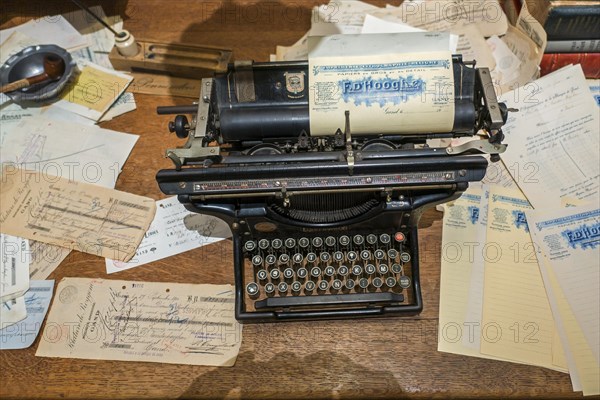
{"x": 323, "y": 226}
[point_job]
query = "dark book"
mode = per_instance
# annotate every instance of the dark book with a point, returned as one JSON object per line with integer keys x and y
{"x": 573, "y": 46}
{"x": 567, "y": 19}
{"x": 590, "y": 63}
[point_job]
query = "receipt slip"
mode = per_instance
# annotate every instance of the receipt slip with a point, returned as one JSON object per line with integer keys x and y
{"x": 76, "y": 215}
{"x": 142, "y": 321}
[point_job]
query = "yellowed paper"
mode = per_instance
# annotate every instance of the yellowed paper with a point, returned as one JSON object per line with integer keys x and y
{"x": 75, "y": 215}
{"x": 142, "y": 321}
{"x": 93, "y": 91}
{"x": 164, "y": 85}
{"x": 44, "y": 259}
{"x": 389, "y": 83}
{"x": 517, "y": 320}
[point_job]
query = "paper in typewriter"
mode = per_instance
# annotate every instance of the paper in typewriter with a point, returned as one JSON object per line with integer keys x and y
{"x": 517, "y": 322}
{"x": 71, "y": 214}
{"x": 390, "y": 83}
{"x": 142, "y": 321}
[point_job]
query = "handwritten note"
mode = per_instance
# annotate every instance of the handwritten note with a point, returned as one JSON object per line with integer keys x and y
{"x": 12, "y": 312}
{"x": 553, "y": 139}
{"x": 22, "y": 334}
{"x": 168, "y": 235}
{"x": 143, "y": 321}
{"x": 44, "y": 259}
{"x": 79, "y": 216}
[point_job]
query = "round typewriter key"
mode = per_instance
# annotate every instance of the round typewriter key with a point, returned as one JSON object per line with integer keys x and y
{"x": 283, "y": 287}
{"x": 276, "y": 243}
{"x": 270, "y": 259}
{"x": 290, "y": 243}
{"x": 269, "y": 289}
{"x": 363, "y": 283}
{"x": 315, "y": 272}
{"x": 252, "y": 290}
{"x": 357, "y": 270}
{"x": 298, "y": 257}
{"x": 352, "y": 256}
{"x": 329, "y": 271}
{"x": 397, "y": 268}
{"x": 296, "y": 286}
{"x": 303, "y": 242}
{"x": 342, "y": 270}
{"x": 325, "y": 256}
{"x": 399, "y": 237}
{"x": 344, "y": 240}
{"x": 309, "y": 286}
{"x": 330, "y": 241}
{"x": 323, "y": 285}
{"x": 358, "y": 239}
{"x": 257, "y": 260}
{"x": 288, "y": 273}
{"x": 250, "y": 245}
{"x": 284, "y": 258}
{"x": 262, "y": 275}
{"x": 365, "y": 255}
{"x": 263, "y": 244}
{"x": 384, "y": 238}
{"x": 392, "y": 253}
{"x": 372, "y": 239}
{"x": 390, "y": 282}
{"x": 404, "y": 257}
{"x": 404, "y": 281}
{"x": 275, "y": 274}
{"x": 302, "y": 273}
{"x": 377, "y": 282}
{"x": 337, "y": 285}
{"x": 311, "y": 257}
{"x": 349, "y": 284}
{"x": 317, "y": 241}
{"x": 379, "y": 254}
{"x": 338, "y": 256}
{"x": 370, "y": 269}
{"x": 383, "y": 269}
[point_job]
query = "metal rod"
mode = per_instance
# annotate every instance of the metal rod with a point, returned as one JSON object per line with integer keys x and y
{"x": 107, "y": 26}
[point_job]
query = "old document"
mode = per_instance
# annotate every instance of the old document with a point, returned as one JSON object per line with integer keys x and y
{"x": 517, "y": 319}
{"x": 79, "y": 216}
{"x": 389, "y": 83}
{"x": 553, "y": 139}
{"x": 142, "y": 321}
{"x": 569, "y": 239}
{"x": 14, "y": 267}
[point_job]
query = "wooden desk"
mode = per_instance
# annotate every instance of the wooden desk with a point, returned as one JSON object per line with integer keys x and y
{"x": 333, "y": 359}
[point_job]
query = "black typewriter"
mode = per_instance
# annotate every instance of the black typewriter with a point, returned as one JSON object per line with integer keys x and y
{"x": 323, "y": 227}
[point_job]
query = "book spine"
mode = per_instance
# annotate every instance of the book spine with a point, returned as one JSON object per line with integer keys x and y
{"x": 575, "y": 22}
{"x": 573, "y": 46}
{"x": 590, "y": 63}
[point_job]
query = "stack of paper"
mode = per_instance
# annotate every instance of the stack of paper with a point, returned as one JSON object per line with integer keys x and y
{"x": 521, "y": 276}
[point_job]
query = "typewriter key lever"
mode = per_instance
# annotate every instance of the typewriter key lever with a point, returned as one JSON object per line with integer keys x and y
{"x": 324, "y": 225}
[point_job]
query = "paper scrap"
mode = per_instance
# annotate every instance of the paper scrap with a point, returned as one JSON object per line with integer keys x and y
{"x": 12, "y": 312}
{"x": 14, "y": 267}
{"x": 124, "y": 104}
{"x": 44, "y": 259}
{"x": 169, "y": 235}
{"x": 75, "y": 215}
{"x": 142, "y": 321}
{"x": 22, "y": 334}
{"x": 93, "y": 90}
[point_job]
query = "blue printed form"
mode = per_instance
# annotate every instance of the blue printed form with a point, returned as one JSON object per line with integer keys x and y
{"x": 390, "y": 83}
{"x": 22, "y": 334}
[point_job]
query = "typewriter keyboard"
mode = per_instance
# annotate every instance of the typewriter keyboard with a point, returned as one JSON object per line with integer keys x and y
{"x": 328, "y": 271}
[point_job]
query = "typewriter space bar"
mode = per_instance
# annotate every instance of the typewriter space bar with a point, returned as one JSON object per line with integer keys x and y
{"x": 329, "y": 300}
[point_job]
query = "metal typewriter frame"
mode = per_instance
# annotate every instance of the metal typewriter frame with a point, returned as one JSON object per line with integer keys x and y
{"x": 213, "y": 191}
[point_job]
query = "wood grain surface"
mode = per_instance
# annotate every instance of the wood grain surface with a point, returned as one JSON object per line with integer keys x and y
{"x": 392, "y": 357}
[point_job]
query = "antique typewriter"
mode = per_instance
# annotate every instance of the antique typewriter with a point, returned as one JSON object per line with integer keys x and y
{"x": 323, "y": 227}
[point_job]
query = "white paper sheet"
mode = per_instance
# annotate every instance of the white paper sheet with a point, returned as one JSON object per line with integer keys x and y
{"x": 124, "y": 104}
{"x": 22, "y": 334}
{"x": 553, "y": 140}
{"x": 53, "y": 29}
{"x": 169, "y": 234}
{"x": 12, "y": 312}
{"x": 14, "y": 267}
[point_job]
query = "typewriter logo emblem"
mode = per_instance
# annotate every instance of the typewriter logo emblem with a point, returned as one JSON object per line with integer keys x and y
{"x": 294, "y": 83}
